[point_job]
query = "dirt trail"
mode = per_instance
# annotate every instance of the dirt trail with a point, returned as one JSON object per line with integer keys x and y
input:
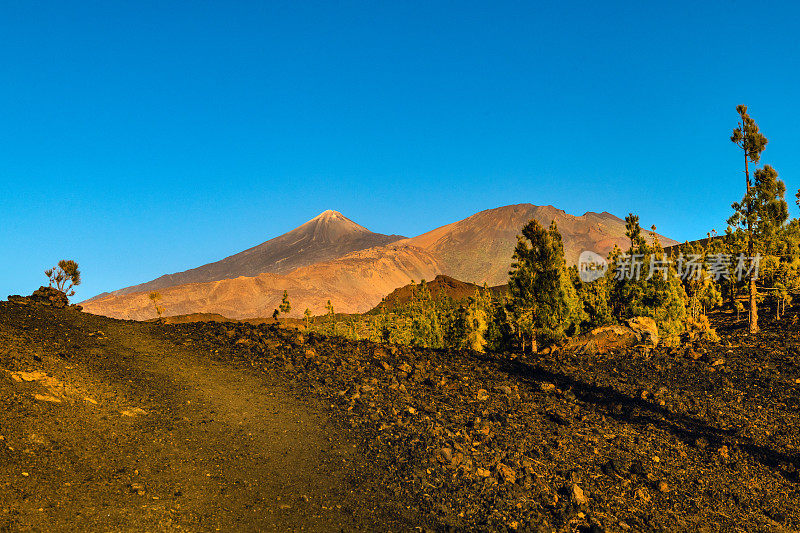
{"x": 175, "y": 441}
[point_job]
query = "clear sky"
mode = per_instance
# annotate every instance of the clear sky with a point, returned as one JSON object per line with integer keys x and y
{"x": 141, "y": 138}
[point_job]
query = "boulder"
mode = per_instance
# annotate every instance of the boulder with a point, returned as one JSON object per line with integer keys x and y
{"x": 50, "y": 296}
{"x": 645, "y": 327}
{"x": 639, "y": 331}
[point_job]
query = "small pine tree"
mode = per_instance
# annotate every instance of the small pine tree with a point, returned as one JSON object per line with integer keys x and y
{"x": 651, "y": 289}
{"x": 307, "y": 315}
{"x": 477, "y": 318}
{"x": 285, "y": 306}
{"x": 330, "y": 318}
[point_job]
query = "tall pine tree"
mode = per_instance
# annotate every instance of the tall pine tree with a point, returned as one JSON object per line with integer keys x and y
{"x": 542, "y": 302}
{"x": 750, "y": 140}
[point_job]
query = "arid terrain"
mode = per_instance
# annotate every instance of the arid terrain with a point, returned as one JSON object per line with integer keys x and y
{"x": 114, "y": 425}
{"x": 333, "y": 258}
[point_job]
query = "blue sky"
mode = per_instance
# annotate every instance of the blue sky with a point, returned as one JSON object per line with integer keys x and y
{"x": 141, "y": 138}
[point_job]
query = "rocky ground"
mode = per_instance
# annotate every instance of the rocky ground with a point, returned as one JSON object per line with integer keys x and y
{"x": 108, "y": 425}
{"x": 701, "y": 438}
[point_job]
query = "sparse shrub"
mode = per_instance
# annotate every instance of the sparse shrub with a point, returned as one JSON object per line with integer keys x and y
{"x": 155, "y": 297}
{"x": 64, "y": 276}
{"x": 699, "y": 330}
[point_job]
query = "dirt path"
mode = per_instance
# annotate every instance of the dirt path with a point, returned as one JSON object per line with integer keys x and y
{"x": 175, "y": 441}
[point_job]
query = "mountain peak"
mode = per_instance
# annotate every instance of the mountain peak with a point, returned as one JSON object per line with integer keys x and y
{"x": 329, "y": 213}
{"x": 331, "y": 226}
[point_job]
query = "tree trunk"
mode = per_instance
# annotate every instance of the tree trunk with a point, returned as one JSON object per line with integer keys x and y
{"x": 753, "y": 292}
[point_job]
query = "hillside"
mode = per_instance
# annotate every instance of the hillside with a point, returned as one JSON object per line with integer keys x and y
{"x": 441, "y": 285}
{"x": 354, "y": 283}
{"x": 126, "y": 426}
{"x": 479, "y": 248}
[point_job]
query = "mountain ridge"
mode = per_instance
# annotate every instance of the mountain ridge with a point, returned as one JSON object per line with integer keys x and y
{"x": 477, "y": 249}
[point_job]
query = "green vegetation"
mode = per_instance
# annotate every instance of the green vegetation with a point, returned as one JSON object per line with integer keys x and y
{"x": 645, "y": 283}
{"x": 155, "y": 297}
{"x": 749, "y": 139}
{"x": 64, "y": 276}
{"x": 757, "y": 260}
{"x": 424, "y": 321}
{"x": 543, "y": 304}
{"x": 285, "y": 306}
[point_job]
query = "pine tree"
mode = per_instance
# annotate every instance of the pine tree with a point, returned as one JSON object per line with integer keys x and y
{"x": 285, "y": 306}
{"x": 330, "y": 318}
{"x": 425, "y": 328}
{"x": 594, "y": 300}
{"x": 750, "y": 140}
{"x": 477, "y": 318}
{"x": 542, "y": 300}
{"x": 762, "y": 213}
{"x": 384, "y": 326}
{"x": 645, "y": 284}
{"x": 499, "y": 333}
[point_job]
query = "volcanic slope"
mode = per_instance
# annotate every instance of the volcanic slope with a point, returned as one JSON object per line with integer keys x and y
{"x": 235, "y": 427}
{"x": 478, "y": 249}
{"x": 112, "y": 426}
{"x": 440, "y": 286}
{"x": 353, "y": 284}
{"x": 327, "y": 236}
